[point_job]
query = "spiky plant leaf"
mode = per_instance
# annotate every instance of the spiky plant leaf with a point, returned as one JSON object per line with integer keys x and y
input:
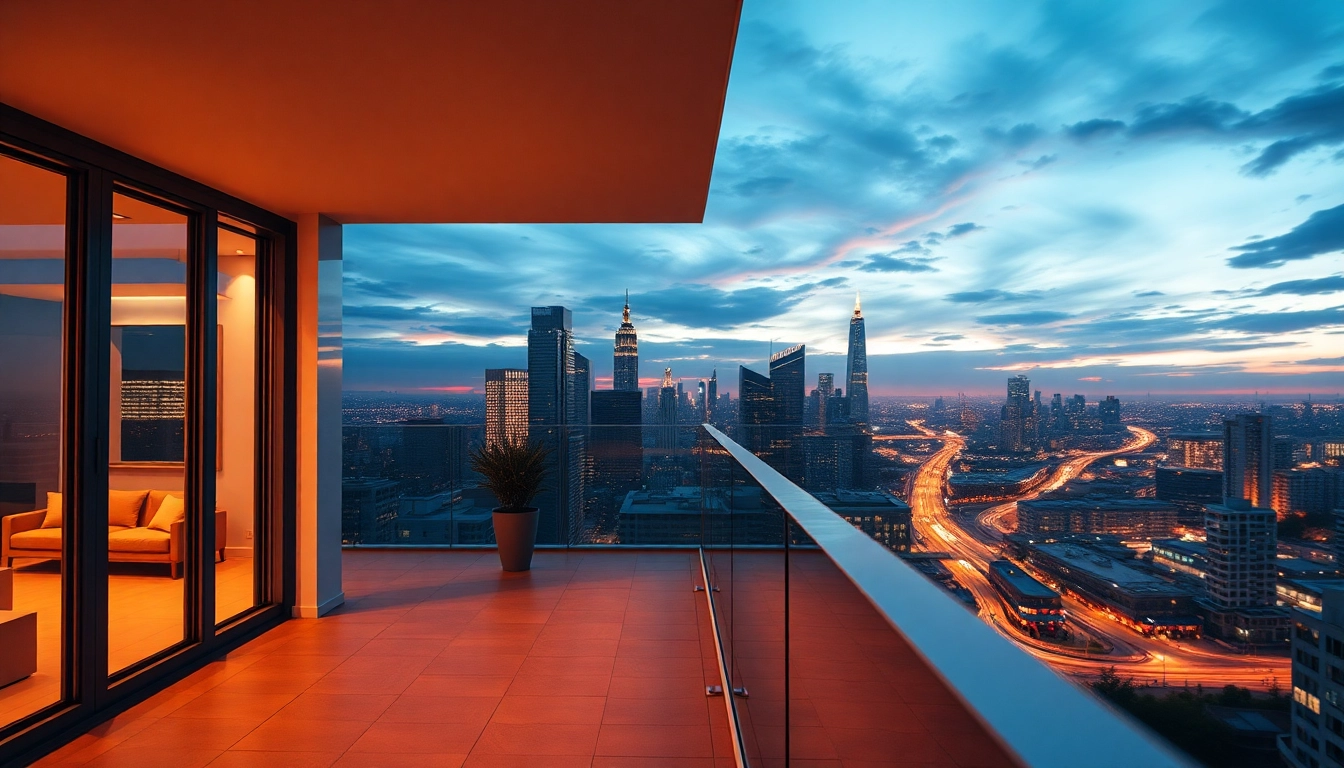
{"x": 514, "y": 472}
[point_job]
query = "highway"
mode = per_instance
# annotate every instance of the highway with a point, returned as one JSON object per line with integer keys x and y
{"x": 1147, "y": 659}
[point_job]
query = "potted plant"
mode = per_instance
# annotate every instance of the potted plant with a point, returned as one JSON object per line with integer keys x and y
{"x": 514, "y": 472}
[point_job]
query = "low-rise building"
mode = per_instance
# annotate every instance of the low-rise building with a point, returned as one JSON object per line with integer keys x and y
{"x": 1134, "y": 597}
{"x": 674, "y": 516}
{"x": 1130, "y": 518}
{"x": 1180, "y": 556}
{"x": 885, "y": 518}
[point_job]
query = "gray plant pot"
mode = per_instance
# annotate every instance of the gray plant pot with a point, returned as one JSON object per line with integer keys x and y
{"x": 516, "y": 536}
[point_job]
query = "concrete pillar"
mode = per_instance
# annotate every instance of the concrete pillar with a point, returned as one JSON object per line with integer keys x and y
{"x": 319, "y": 491}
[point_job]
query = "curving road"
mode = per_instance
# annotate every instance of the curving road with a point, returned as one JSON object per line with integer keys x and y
{"x": 1145, "y": 658}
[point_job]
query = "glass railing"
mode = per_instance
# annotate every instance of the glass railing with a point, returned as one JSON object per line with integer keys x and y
{"x": 411, "y": 484}
{"x": 833, "y": 650}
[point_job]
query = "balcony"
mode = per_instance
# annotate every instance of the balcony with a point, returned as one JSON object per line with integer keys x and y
{"x": 834, "y": 653}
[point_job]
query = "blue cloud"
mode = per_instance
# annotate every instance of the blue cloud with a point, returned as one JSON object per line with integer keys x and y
{"x": 1321, "y": 233}
{"x": 964, "y": 228}
{"x": 1307, "y": 287}
{"x": 1094, "y": 129}
{"x": 991, "y": 294}
{"x": 1038, "y": 317}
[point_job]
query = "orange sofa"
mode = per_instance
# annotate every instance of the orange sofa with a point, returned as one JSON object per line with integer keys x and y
{"x": 22, "y": 535}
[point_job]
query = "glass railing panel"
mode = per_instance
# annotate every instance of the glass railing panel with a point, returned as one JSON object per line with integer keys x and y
{"x": 881, "y": 666}
{"x": 411, "y": 484}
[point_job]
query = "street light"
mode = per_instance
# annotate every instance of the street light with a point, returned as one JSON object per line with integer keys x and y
{"x": 1163, "y": 659}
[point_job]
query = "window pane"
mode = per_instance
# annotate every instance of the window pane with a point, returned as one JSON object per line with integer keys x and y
{"x": 147, "y": 534}
{"x": 32, "y": 383}
{"x": 237, "y": 531}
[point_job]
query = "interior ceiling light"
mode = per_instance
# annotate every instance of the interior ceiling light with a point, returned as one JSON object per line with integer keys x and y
{"x": 238, "y": 251}
{"x": 120, "y": 216}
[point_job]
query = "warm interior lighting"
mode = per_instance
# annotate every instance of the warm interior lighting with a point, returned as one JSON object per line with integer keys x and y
{"x": 238, "y": 251}
{"x": 120, "y": 216}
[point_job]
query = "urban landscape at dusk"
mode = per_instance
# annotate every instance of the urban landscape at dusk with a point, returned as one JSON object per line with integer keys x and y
{"x": 694, "y": 384}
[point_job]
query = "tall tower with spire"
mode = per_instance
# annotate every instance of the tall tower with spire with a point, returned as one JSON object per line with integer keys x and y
{"x": 856, "y": 373}
{"x": 625, "y": 364}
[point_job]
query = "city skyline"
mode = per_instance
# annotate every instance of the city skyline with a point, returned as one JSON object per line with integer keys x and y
{"x": 1144, "y": 196}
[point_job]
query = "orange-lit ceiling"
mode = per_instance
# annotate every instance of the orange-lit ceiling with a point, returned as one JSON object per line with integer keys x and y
{"x": 398, "y": 111}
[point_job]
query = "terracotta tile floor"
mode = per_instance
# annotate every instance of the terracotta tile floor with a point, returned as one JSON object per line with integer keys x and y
{"x": 440, "y": 659}
{"x": 145, "y": 609}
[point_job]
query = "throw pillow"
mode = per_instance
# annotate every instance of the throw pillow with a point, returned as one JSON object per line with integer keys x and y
{"x": 123, "y": 507}
{"x": 170, "y": 511}
{"x": 54, "y": 511}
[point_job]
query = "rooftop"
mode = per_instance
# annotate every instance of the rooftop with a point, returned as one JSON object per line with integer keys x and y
{"x": 1110, "y": 569}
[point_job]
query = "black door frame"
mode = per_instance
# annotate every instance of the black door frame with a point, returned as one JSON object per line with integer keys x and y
{"x": 93, "y": 172}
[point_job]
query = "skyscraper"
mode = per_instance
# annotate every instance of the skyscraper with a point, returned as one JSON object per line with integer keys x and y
{"x": 856, "y": 369}
{"x": 789, "y": 391}
{"x": 505, "y": 406}
{"x": 1247, "y": 470}
{"x": 583, "y": 386}
{"x": 787, "y": 385}
{"x": 713, "y": 397}
{"x": 1017, "y": 429}
{"x": 755, "y": 410}
{"x": 616, "y": 445}
{"x": 551, "y": 414}
{"x": 825, "y": 388}
{"x": 625, "y": 364}
{"x": 667, "y": 412}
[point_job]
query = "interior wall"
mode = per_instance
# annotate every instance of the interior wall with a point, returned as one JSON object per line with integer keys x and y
{"x": 235, "y": 483}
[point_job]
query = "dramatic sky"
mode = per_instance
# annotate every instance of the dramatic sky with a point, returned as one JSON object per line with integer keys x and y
{"x": 1115, "y": 198}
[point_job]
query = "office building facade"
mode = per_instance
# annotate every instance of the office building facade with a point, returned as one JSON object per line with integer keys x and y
{"x": 1247, "y": 459}
{"x": 856, "y": 367}
{"x": 625, "y": 360}
{"x": 505, "y": 406}
{"x": 552, "y": 418}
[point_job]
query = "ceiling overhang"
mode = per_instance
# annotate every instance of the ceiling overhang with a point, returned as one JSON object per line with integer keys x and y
{"x": 395, "y": 112}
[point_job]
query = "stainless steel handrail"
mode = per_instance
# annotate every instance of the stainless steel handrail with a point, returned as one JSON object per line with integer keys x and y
{"x": 1036, "y": 715}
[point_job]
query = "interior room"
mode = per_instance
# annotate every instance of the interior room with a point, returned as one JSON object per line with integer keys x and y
{"x": 147, "y": 594}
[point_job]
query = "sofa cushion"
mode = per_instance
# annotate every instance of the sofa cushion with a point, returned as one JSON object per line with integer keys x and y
{"x": 38, "y": 538}
{"x": 152, "y": 503}
{"x": 141, "y": 540}
{"x": 123, "y": 507}
{"x": 54, "y": 511}
{"x": 169, "y": 512}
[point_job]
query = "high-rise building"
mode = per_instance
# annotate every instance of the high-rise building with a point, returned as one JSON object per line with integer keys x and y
{"x": 582, "y": 385}
{"x": 1247, "y": 468}
{"x": 1240, "y": 585}
{"x": 1304, "y": 491}
{"x": 755, "y": 410}
{"x": 701, "y": 403}
{"x": 553, "y": 421}
{"x": 789, "y": 390}
{"x": 713, "y": 396}
{"x": 368, "y": 510}
{"x": 856, "y": 368}
{"x": 616, "y": 448}
{"x": 1189, "y": 489}
{"x": 825, "y": 388}
{"x": 1196, "y": 450}
{"x": 1108, "y": 410}
{"x": 1017, "y": 430}
{"x": 625, "y": 362}
{"x": 787, "y": 385}
{"x": 1317, "y": 736}
{"x": 667, "y": 413}
{"x": 505, "y": 406}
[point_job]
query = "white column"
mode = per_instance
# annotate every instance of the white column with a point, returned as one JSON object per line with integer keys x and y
{"x": 319, "y": 491}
